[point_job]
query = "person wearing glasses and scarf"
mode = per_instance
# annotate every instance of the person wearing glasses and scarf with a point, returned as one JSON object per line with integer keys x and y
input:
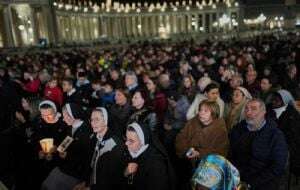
{"x": 150, "y": 167}
{"x": 109, "y": 158}
{"x": 74, "y": 168}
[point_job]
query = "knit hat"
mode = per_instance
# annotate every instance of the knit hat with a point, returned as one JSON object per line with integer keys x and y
{"x": 75, "y": 111}
{"x": 245, "y": 92}
{"x": 48, "y": 102}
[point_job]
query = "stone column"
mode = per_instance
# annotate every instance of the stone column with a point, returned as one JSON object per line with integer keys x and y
{"x": 50, "y": 19}
{"x": 145, "y": 26}
{"x": 203, "y": 22}
{"x": 189, "y": 23}
{"x": 210, "y": 22}
{"x": 127, "y": 26}
{"x": 8, "y": 28}
{"x": 174, "y": 24}
{"x": 153, "y": 24}
{"x": 196, "y": 23}
{"x": 34, "y": 24}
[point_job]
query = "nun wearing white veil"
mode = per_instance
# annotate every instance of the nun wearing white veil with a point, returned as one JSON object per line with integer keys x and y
{"x": 74, "y": 168}
{"x": 108, "y": 161}
{"x": 149, "y": 167}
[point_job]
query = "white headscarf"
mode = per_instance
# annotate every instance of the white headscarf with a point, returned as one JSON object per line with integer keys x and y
{"x": 48, "y": 102}
{"x": 140, "y": 133}
{"x": 104, "y": 113}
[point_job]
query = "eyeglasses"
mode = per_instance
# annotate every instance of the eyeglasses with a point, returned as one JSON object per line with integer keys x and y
{"x": 96, "y": 119}
{"x": 46, "y": 115}
{"x": 129, "y": 141}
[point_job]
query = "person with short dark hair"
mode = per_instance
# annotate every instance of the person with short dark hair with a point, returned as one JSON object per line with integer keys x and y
{"x": 71, "y": 94}
{"x": 212, "y": 93}
{"x": 142, "y": 113}
{"x": 53, "y": 92}
{"x": 120, "y": 111}
{"x": 268, "y": 87}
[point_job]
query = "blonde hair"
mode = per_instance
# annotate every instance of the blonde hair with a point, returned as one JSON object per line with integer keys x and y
{"x": 213, "y": 106}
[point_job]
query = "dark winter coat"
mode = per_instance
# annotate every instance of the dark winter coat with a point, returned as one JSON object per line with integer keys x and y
{"x": 119, "y": 116}
{"x": 79, "y": 153}
{"x": 260, "y": 156}
{"x": 110, "y": 166}
{"x": 153, "y": 172}
{"x": 289, "y": 123}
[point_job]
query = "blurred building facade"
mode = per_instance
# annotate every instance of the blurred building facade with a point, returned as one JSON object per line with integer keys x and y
{"x": 40, "y": 22}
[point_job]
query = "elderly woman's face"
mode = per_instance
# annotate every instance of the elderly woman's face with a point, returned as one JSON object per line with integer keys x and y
{"x": 133, "y": 143}
{"x": 205, "y": 115}
{"x": 48, "y": 115}
{"x": 237, "y": 96}
{"x": 129, "y": 80}
{"x": 97, "y": 122}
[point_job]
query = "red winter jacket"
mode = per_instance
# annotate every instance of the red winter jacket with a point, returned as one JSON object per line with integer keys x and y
{"x": 54, "y": 94}
{"x": 32, "y": 86}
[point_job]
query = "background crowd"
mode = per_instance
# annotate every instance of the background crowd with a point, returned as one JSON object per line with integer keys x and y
{"x": 153, "y": 116}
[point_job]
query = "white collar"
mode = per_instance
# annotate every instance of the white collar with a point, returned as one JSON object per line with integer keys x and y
{"x": 76, "y": 125}
{"x": 279, "y": 111}
{"x": 71, "y": 92}
{"x": 139, "y": 152}
{"x": 132, "y": 86}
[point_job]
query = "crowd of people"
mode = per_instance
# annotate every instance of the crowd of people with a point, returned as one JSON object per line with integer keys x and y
{"x": 163, "y": 116}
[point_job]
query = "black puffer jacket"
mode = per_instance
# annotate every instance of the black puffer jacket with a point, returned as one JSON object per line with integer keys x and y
{"x": 119, "y": 116}
{"x": 145, "y": 117}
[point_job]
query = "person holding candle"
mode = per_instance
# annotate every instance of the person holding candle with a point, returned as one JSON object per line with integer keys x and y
{"x": 76, "y": 157}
